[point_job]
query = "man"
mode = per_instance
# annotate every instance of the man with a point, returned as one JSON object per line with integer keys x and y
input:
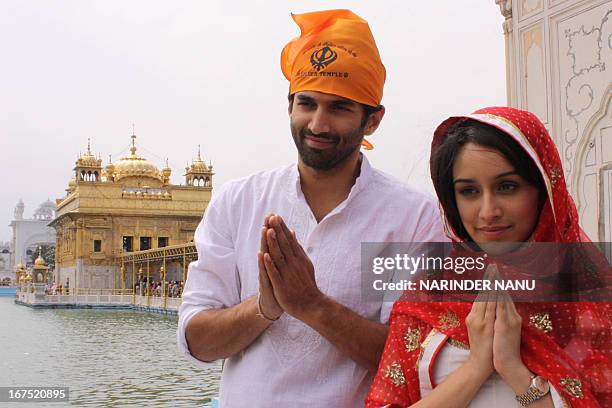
{"x": 279, "y": 296}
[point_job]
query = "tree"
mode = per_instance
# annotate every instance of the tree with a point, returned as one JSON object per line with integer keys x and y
{"x": 47, "y": 251}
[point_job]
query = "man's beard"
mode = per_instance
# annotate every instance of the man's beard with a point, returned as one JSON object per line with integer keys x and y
{"x": 330, "y": 158}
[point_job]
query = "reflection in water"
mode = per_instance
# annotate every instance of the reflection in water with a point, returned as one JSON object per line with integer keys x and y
{"x": 106, "y": 357}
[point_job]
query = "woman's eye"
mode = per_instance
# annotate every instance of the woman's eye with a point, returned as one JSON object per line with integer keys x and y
{"x": 508, "y": 187}
{"x": 468, "y": 191}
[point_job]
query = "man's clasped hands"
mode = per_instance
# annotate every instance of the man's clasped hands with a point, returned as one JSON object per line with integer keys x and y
{"x": 286, "y": 274}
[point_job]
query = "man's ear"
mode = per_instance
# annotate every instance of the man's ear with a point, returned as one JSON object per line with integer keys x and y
{"x": 373, "y": 121}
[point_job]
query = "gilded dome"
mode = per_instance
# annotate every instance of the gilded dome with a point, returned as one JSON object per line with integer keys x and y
{"x": 39, "y": 261}
{"x": 198, "y": 165}
{"x": 134, "y": 166}
{"x": 88, "y": 159}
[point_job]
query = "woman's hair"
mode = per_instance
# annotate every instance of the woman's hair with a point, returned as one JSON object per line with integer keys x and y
{"x": 471, "y": 131}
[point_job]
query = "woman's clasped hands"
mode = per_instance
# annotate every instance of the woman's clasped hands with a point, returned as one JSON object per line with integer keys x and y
{"x": 494, "y": 331}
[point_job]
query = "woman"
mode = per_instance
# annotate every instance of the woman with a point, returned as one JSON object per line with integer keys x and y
{"x": 499, "y": 180}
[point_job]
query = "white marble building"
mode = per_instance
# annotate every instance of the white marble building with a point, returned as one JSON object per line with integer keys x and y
{"x": 5, "y": 260}
{"x": 31, "y": 232}
{"x": 559, "y": 66}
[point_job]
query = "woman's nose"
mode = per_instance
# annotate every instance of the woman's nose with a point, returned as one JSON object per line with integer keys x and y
{"x": 490, "y": 208}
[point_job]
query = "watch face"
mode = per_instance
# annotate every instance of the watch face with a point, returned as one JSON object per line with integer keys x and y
{"x": 541, "y": 384}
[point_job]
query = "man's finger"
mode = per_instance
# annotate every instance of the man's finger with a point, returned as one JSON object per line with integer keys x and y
{"x": 267, "y": 220}
{"x": 283, "y": 241}
{"x": 263, "y": 244}
{"x": 264, "y": 280}
{"x": 291, "y": 237}
{"x": 299, "y": 248}
{"x": 272, "y": 271}
{"x": 274, "y": 250}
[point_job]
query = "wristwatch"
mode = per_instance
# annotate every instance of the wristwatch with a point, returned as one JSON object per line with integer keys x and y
{"x": 538, "y": 388}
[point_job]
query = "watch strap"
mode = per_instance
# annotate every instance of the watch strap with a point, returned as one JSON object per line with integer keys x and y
{"x": 531, "y": 395}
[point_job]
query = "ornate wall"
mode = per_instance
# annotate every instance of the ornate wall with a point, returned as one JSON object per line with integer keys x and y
{"x": 558, "y": 61}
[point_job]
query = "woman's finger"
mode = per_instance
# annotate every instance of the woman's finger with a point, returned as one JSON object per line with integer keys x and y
{"x": 489, "y": 314}
{"x": 501, "y": 310}
{"x": 480, "y": 304}
{"x": 510, "y": 306}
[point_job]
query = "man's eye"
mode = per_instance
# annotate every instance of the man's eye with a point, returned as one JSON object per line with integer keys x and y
{"x": 342, "y": 108}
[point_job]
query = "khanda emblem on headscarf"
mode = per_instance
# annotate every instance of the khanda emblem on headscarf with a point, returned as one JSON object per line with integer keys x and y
{"x": 322, "y": 58}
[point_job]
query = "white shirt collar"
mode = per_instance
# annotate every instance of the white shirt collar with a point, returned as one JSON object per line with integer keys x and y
{"x": 295, "y": 190}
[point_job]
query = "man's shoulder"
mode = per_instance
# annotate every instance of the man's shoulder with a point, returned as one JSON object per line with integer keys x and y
{"x": 256, "y": 181}
{"x": 396, "y": 187}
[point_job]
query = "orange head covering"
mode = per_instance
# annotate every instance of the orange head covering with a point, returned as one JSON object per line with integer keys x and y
{"x": 335, "y": 54}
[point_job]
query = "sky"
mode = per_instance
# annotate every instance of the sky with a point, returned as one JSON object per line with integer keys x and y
{"x": 207, "y": 73}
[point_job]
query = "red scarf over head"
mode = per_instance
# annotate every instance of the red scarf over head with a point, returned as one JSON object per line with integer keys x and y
{"x": 569, "y": 343}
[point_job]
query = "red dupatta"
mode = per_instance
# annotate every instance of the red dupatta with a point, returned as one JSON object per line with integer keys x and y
{"x": 569, "y": 343}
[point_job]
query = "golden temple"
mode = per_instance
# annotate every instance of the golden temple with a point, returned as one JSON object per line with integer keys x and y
{"x": 128, "y": 216}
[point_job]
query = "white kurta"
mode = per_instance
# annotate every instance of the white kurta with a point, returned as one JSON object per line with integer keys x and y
{"x": 290, "y": 364}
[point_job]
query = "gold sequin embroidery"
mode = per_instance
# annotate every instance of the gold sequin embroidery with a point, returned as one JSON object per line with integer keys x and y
{"x": 448, "y": 320}
{"x": 541, "y": 321}
{"x": 395, "y": 374}
{"x": 427, "y": 340}
{"x": 412, "y": 339}
{"x": 573, "y": 386}
{"x": 554, "y": 175}
{"x": 458, "y": 344}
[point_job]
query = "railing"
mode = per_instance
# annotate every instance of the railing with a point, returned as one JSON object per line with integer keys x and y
{"x": 88, "y": 291}
{"x": 100, "y": 297}
{"x": 171, "y": 252}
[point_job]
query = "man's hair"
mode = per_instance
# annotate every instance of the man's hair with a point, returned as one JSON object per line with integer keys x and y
{"x": 367, "y": 109}
{"x": 445, "y": 154}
